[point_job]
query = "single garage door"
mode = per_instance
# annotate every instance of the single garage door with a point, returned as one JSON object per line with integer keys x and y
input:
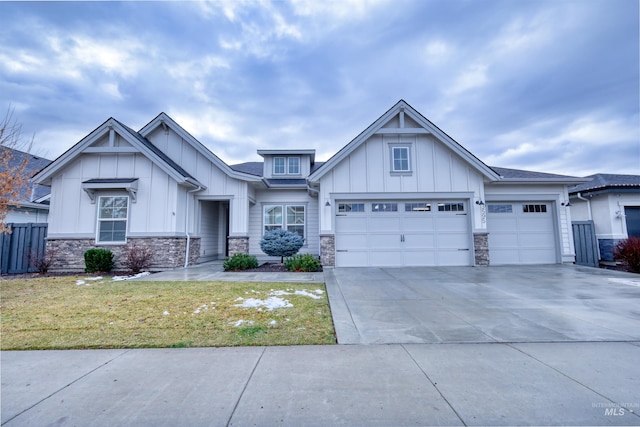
{"x": 402, "y": 233}
{"x": 521, "y": 233}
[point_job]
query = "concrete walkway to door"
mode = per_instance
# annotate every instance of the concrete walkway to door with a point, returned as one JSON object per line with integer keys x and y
{"x": 548, "y": 303}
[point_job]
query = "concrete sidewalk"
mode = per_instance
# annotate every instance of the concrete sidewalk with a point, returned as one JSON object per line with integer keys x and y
{"x": 412, "y": 384}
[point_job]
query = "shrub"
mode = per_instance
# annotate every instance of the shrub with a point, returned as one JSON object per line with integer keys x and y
{"x": 98, "y": 260}
{"x": 137, "y": 258}
{"x": 281, "y": 243}
{"x": 301, "y": 262}
{"x": 42, "y": 262}
{"x": 240, "y": 262}
{"x": 628, "y": 250}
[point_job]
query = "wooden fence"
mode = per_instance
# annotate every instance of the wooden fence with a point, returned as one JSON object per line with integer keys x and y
{"x": 584, "y": 239}
{"x": 22, "y": 247}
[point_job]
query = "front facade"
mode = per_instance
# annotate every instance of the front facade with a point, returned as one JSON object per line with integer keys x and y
{"x": 612, "y": 202}
{"x": 402, "y": 193}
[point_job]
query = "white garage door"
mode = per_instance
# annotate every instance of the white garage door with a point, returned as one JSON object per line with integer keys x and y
{"x": 402, "y": 233}
{"x": 521, "y": 233}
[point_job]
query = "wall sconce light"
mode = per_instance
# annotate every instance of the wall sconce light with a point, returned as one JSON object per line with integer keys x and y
{"x": 566, "y": 204}
{"x": 479, "y": 203}
{"x": 327, "y": 204}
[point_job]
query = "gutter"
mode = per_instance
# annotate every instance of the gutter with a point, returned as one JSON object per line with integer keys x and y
{"x": 579, "y": 195}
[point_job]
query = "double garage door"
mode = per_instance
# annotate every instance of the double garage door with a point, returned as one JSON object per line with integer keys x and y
{"x": 521, "y": 233}
{"x": 402, "y": 233}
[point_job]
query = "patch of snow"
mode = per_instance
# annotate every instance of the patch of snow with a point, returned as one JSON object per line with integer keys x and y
{"x": 630, "y": 282}
{"x": 80, "y": 282}
{"x": 273, "y": 322}
{"x": 135, "y": 276}
{"x": 242, "y": 322}
{"x": 303, "y": 292}
{"x": 165, "y": 313}
{"x": 269, "y": 303}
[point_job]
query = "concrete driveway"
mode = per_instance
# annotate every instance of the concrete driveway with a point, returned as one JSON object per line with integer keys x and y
{"x": 523, "y": 304}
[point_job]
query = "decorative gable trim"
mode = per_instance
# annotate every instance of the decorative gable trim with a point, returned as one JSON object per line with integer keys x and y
{"x": 163, "y": 120}
{"x": 137, "y": 144}
{"x": 404, "y": 111}
{"x": 130, "y": 185}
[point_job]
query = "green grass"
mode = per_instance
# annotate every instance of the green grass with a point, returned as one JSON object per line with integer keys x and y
{"x": 56, "y": 313}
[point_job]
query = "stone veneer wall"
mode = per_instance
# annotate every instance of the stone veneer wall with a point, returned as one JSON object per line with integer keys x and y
{"x": 168, "y": 252}
{"x": 238, "y": 245}
{"x": 328, "y": 250}
{"x": 481, "y": 248}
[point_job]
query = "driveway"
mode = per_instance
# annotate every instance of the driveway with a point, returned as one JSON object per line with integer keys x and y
{"x": 523, "y": 304}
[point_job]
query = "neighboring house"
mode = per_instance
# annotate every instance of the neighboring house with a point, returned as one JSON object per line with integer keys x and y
{"x": 612, "y": 202}
{"x": 33, "y": 204}
{"x": 402, "y": 193}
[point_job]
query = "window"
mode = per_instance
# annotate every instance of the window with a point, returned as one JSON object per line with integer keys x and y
{"x": 500, "y": 208}
{"x": 350, "y": 207}
{"x": 293, "y": 165}
{"x": 384, "y": 207}
{"x": 278, "y": 165}
{"x": 450, "y": 207}
{"x": 400, "y": 159}
{"x": 287, "y": 217}
{"x": 417, "y": 207}
{"x": 286, "y": 165}
{"x": 534, "y": 208}
{"x": 112, "y": 219}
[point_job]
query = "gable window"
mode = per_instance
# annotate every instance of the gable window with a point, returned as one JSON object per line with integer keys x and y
{"x": 112, "y": 219}
{"x": 286, "y": 217}
{"x": 286, "y": 165}
{"x": 400, "y": 159}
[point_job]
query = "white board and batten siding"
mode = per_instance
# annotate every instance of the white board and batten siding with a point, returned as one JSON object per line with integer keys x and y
{"x": 284, "y": 197}
{"x": 72, "y": 213}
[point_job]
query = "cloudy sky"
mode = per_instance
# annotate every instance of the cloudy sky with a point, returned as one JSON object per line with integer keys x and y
{"x": 551, "y": 86}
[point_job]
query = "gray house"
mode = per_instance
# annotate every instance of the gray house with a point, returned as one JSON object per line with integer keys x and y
{"x": 401, "y": 193}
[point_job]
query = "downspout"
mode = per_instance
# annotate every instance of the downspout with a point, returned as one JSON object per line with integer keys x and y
{"x": 186, "y": 227}
{"x": 588, "y": 205}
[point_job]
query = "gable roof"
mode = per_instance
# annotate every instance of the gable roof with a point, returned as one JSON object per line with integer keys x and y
{"x": 607, "y": 181}
{"x": 531, "y": 177}
{"x": 403, "y": 106}
{"x": 164, "y": 120}
{"x": 33, "y": 164}
{"x": 135, "y": 139}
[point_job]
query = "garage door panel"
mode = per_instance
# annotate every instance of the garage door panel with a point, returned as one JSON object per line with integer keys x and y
{"x": 452, "y": 223}
{"x": 385, "y": 258}
{"x": 351, "y": 224}
{"x": 453, "y": 257}
{"x": 418, "y": 224}
{"x": 351, "y": 259}
{"x": 384, "y": 223}
{"x": 452, "y": 241}
{"x": 423, "y": 258}
{"x": 384, "y": 241}
{"x": 419, "y": 241}
{"x": 503, "y": 240}
{"x": 533, "y": 223}
{"x": 352, "y": 241}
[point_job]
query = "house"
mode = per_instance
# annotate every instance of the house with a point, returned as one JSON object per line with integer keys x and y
{"x": 402, "y": 193}
{"x": 33, "y": 203}
{"x": 612, "y": 202}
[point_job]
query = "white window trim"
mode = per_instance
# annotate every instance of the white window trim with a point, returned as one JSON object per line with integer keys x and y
{"x": 287, "y": 166}
{"x": 284, "y": 224}
{"x": 125, "y": 220}
{"x": 395, "y": 171}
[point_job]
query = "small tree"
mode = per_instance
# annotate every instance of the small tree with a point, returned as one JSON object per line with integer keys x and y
{"x": 628, "y": 250}
{"x": 13, "y": 179}
{"x": 137, "y": 258}
{"x": 281, "y": 243}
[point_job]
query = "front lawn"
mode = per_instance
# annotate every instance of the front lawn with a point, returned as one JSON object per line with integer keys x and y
{"x": 75, "y": 312}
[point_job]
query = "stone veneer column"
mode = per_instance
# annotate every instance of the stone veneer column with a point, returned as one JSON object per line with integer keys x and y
{"x": 238, "y": 245}
{"x": 481, "y": 248}
{"x": 328, "y": 250}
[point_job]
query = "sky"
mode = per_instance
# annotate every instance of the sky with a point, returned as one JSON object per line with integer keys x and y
{"x": 550, "y": 86}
